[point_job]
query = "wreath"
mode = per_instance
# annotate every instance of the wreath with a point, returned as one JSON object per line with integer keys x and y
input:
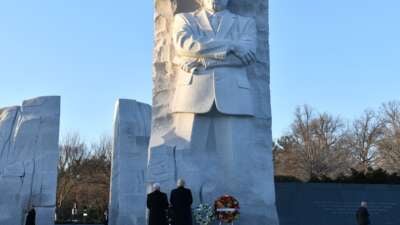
{"x": 204, "y": 214}
{"x": 226, "y": 209}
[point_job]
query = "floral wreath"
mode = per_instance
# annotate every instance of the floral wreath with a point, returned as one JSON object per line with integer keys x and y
{"x": 226, "y": 209}
{"x": 204, "y": 214}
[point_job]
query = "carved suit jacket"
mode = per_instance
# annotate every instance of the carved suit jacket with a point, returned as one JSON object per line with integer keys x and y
{"x": 222, "y": 77}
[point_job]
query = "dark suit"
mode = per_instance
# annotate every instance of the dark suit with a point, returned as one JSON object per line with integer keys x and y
{"x": 31, "y": 217}
{"x": 157, "y": 203}
{"x": 181, "y": 201}
{"x": 362, "y": 216}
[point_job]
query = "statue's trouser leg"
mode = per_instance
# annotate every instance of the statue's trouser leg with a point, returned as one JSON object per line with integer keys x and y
{"x": 247, "y": 168}
{"x": 197, "y": 159}
{"x": 233, "y": 144}
{"x": 221, "y": 157}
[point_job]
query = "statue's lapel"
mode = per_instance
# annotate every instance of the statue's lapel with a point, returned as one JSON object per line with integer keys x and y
{"x": 204, "y": 22}
{"x": 227, "y": 20}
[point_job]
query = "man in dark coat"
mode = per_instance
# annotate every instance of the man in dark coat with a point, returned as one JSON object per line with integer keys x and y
{"x": 31, "y": 217}
{"x": 181, "y": 201}
{"x": 105, "y": 217}
{"x": 362, "y": 214}
{"x": 157, "y": 203}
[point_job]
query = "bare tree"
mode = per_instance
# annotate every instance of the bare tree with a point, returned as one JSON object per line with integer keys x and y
{"x": 286, "y": 159}
{"x": 103, "y": 148}
{"x": 84, "y": 174}
{"x": 97, "y": 172}
{"x": 319, "y": 143}
{"x": 365, "y": 135}
{"x": 389, "y": 146}
{"x": 73, "y": 152}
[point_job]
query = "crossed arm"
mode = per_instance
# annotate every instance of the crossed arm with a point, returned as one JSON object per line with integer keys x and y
{"x": 210, "y": 52}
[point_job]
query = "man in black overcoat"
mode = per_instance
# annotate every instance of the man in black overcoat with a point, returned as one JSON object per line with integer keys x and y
{"x": 105, "y": 217}
{"x": 362, "y": 214}
{"x": 31, "y": 217}
{"x": 157, "y": 203}
{"x": 181, "y": 202}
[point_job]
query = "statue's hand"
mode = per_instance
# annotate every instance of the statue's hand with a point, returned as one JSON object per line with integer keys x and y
{"x": 191, "y": 66}
{"x": 245, "y": 55}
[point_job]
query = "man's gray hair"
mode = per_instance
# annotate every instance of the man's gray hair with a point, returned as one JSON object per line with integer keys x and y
{"x": 180, "y": 183}
{"x": 156, "y": 186}
{"x": 364, "y": 204}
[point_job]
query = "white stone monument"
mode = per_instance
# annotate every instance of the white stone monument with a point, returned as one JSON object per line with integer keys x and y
{"x": 28, "y": 160}
{"x": 132, "y": 121}
{"x": 211, "y": 120}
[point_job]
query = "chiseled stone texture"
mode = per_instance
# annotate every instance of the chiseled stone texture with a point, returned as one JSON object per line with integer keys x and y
{"x": 28, "y": 160}
{"x": 251, "y": 179}
{"x": 132, "y": 121}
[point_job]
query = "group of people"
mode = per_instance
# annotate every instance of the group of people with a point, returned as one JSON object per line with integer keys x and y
{"x": 178, "y": 211}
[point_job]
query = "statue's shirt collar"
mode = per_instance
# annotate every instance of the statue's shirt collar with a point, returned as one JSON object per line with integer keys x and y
{"x": 217, "y": 14}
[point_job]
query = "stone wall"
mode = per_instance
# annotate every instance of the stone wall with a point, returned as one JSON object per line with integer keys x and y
{"x": 332, "y": 204}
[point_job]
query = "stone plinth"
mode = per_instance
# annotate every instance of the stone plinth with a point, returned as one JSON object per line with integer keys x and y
{"x": 131, "y": 137}
{"x": 28, "y": 160}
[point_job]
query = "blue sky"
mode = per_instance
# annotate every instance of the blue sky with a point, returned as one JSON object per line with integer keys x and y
{"x": 338, "y": 56}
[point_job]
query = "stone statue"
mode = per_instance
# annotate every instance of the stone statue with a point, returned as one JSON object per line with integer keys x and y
{"x": 212, "y": 100}
{"x": 211, "y": 122}
{"x": 213, "y": 48}
{"x": 28, "y": 160}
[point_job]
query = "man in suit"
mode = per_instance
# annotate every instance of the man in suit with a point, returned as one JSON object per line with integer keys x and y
{"x": 213, "y": 48}
{"x": 31, "y": 217}
{"x": 362, "y": 214}
{"x": 157, "y": 203}
{"x": 181, "y": 201}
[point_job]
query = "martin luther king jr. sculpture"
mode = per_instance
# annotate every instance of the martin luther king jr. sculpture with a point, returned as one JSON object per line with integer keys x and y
{"x": 212, "y": 100}
{"x": 211, "y": 109}
{"x": 213, "y": 48}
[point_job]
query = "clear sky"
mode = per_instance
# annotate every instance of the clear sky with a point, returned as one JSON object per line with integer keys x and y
{"x": 339, "y": 56}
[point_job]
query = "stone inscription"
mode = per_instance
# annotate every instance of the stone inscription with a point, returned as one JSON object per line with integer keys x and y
{"x": 348, "y": 208}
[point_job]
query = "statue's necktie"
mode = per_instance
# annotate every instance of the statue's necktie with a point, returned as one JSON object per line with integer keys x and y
{"x": 215, "y": 22}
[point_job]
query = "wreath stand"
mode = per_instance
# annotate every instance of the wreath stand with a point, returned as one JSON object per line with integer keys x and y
{"x": 221, "y": 223}
{"x": 226, "y": 210}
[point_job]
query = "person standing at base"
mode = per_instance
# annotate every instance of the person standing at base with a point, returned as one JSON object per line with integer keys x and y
{"x": 362, "y": 214}
{"x": 181, "y": 201}
{"x": 157, "y": 203}
{"x": 105, "y": 217}
{"x": 31, "y": 217}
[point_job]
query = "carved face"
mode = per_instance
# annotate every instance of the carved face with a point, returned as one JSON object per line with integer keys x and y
{"x": 215, "y": 5}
